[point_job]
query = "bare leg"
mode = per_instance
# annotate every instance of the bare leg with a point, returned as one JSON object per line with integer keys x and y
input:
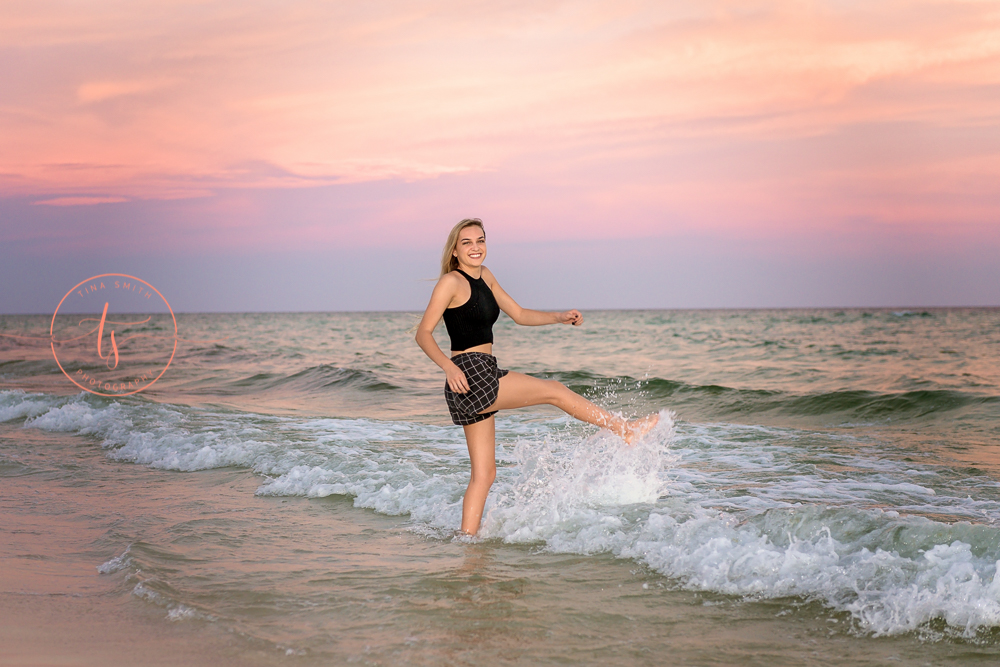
{"x": 481, "y": 438}
{"x": 518, "y": 390}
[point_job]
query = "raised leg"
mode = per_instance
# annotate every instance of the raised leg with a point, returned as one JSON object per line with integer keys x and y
{"x": 518, "y": 390}
{"x": 481, "y": 438}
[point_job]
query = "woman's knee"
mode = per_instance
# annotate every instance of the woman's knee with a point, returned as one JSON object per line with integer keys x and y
{"x": 556, "y": 391}
{"x": 485, "y": 475}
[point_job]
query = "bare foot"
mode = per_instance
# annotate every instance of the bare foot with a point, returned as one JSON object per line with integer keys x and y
{"x": 637, "y": 428}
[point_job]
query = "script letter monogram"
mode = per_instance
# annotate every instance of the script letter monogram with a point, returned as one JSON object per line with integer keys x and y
{"x": 114, "y": 345}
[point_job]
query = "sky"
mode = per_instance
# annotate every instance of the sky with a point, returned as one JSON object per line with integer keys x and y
{"x": 312, "y": 156}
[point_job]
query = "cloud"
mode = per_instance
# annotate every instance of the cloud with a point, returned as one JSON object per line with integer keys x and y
{"x": 79, "y": 201}
{"x": 98, "y": 91}
{"x": 756, "y": 115}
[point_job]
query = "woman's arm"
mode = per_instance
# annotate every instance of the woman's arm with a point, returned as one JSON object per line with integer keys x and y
{"x": 442, "y": 295}
{"x": 526, "y": 316}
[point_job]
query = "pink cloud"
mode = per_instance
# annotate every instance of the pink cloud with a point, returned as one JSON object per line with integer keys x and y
{"x": 79, "y": 201}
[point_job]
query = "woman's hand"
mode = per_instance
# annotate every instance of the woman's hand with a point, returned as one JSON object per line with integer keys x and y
{"x": 574, "y": 317}
{"x": 456, "y": 379}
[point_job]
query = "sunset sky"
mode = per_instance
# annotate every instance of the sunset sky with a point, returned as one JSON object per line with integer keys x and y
{"x": 257, "y": 156}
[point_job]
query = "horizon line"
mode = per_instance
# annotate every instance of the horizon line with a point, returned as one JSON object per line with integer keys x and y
{"x": 694, "y": 308}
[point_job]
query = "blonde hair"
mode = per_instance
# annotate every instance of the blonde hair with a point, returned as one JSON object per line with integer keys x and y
{"x": 448, "y": 260}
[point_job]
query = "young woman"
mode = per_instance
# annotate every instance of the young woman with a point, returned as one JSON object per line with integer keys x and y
{"x": 469, "y": 298}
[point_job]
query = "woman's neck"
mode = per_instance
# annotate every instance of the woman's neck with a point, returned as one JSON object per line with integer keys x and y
{"x": 474, "y": 271}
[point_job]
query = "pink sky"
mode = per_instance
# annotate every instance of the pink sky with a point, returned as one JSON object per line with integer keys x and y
{"x": 825, "y": 122}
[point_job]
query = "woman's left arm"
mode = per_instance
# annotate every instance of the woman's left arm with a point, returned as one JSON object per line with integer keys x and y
{"x": 526, "y": 316}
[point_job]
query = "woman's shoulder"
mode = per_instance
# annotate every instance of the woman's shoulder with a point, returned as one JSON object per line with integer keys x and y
{"x": 488, "y": 276}
{"x": 450, "y": 281}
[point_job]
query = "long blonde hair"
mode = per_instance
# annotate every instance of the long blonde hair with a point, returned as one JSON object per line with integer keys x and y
{"x": 448, "y": 260}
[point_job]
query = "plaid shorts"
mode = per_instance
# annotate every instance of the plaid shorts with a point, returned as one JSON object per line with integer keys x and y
{"x": 483, "y": 377}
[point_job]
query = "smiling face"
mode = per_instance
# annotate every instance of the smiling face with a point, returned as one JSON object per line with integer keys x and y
{"x": 471, "y": 248}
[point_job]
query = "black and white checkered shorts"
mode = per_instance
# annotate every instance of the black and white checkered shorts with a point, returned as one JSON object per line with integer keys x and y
{"x": 483, "y": 377}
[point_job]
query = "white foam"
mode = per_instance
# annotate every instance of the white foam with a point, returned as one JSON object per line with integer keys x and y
{"x": 180, "y": 612}
{"x": 175, "y": 610}
{"x": 887, "y": 593}
{"x": 16, "y": 404}
{"x": 119, "y": 562}
{"x": 573, "y": 480}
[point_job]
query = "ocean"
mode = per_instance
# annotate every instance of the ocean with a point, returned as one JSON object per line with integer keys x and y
{"x": 824, "y": 488}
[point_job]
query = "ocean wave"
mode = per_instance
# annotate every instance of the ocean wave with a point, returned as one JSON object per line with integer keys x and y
{"x": 17, "y": 404}
{"x": 795, "y": 553}
{"x": 120, "y": 562}
{"x": 747, "y": 511}
{"x": 721, "y": 400}
{"x": 19, "y": 368}
{"x": 324, "y": 377}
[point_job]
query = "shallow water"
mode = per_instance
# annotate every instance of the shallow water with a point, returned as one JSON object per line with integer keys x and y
{"x": 829, "y": 491}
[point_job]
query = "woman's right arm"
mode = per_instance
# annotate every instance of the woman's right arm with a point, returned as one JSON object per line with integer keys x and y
{"x": 443, "y": 293}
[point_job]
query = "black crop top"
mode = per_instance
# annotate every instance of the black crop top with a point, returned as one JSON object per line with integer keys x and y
{"x": 471, "y": 324}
